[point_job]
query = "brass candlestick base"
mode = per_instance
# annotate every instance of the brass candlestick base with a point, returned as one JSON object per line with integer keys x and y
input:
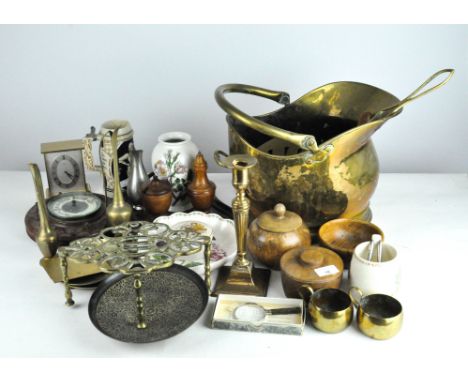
{"x": 232, "y": 280}
{"x": 242, "y": 277}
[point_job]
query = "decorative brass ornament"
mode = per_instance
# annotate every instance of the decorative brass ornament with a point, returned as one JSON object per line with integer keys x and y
{"x": 242, "y": 277}
{"x": 119, "y": 211}
{"x": 134, "y": 248}
{"x": 46, "y": 238}
{"x": 315, "y": 154}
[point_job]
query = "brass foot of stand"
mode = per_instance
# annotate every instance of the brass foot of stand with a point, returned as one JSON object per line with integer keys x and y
{"x": 253, "y": 282}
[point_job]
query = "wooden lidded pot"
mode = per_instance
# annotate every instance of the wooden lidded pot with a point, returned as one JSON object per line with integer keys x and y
{"x": 157, "y": 196}
{"x": 274, "y": 232}
{"x": 315, "y": 266}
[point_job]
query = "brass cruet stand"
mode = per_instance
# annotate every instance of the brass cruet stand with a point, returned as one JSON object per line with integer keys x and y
{"x": 241, "y": 277}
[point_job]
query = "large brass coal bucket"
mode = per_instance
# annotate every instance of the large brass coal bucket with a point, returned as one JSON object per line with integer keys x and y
{"x": 315, "y": 155}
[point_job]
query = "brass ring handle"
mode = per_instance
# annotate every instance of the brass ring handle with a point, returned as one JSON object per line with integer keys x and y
{"x": 307, "y": 142}
{"x": 417, "y": 93}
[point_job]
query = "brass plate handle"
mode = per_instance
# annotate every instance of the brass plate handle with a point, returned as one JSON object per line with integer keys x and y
{"x": 307, "y": 142}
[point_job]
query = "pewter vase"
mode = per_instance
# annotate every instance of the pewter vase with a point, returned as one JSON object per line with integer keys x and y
{"x": 137, "y": 177}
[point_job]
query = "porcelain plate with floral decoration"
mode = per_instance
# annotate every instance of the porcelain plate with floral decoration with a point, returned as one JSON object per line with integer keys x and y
{"x": 222, "y": 231}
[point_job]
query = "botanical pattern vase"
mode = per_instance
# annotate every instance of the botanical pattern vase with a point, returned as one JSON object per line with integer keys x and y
{"x": 172, "y": 159}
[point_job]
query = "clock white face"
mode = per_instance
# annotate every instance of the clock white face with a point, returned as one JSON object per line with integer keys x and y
{"x": 65, "y": 171}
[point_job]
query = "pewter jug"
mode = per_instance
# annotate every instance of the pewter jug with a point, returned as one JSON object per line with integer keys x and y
{"x": 315, "y": 155}
{"x": 137, "y": 176}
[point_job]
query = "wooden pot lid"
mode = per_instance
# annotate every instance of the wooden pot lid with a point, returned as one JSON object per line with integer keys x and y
{"x": 308, "y": 265}
{"x": 279, "y": 220}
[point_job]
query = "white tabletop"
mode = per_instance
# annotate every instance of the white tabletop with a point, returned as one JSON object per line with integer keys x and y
{"x": 423, "y": 216}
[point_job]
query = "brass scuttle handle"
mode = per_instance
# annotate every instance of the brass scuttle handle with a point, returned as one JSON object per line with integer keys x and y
{"x": 306, "y": 142}
{"x": 417, "y": 93}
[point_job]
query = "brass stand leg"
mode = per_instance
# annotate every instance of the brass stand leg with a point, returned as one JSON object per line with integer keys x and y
{"x": 64, "y": 266}
{"x": 139, "y": 300}
{"x": 207, "y": 266}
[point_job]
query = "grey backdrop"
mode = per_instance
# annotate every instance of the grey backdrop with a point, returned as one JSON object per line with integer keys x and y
{"x": 56, "y": 81}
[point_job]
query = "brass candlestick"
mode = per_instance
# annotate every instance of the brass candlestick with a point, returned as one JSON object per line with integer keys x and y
{"x": 242, "y": 277}
{"x": 119, "y": 211}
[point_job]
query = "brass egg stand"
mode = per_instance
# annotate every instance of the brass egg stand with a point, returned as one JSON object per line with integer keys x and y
{"x": 241, "y": 277}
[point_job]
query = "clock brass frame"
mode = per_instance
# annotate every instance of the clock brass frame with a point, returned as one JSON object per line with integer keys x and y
{"x": 64, "y": 147}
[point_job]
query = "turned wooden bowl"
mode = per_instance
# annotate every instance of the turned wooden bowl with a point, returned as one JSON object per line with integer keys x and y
{"x": 343, "y": 235}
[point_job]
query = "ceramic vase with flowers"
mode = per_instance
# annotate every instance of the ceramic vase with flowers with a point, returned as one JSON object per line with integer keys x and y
{"x": 172, "y": 159}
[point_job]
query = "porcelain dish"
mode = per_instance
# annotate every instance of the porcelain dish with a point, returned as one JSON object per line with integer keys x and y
{"x": 222, "y": 230}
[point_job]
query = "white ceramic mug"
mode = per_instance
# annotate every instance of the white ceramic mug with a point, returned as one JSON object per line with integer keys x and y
{"x": 372, "y": 276}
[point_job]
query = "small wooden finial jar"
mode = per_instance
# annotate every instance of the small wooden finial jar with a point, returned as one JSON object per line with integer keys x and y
{"x": 274, "y": 232}
{"x": 201, "y": 191}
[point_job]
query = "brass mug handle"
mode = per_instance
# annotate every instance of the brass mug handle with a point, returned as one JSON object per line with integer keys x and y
{"x": 353, "y": 299}
{"x": 309, "y": 289}
{"x": 417, "y": 93}
{"x": 307, "y": 142}
{"x": 218, "y": 154}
